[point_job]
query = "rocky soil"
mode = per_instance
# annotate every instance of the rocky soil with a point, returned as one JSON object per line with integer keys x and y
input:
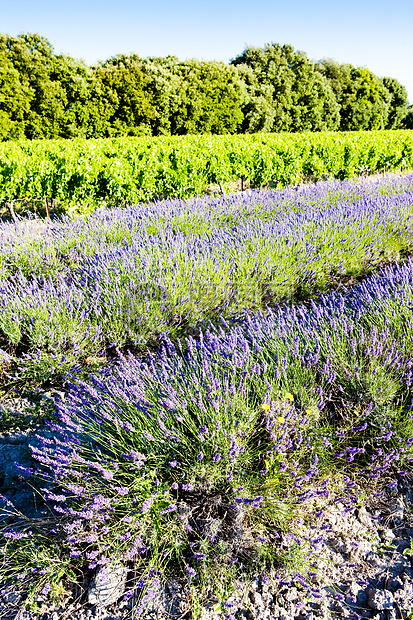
{"x": 361, "y": 559}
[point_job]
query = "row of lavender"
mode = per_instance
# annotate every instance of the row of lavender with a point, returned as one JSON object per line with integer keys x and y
{"x": 78, "y": 288}
{"x": 202, "y": 457}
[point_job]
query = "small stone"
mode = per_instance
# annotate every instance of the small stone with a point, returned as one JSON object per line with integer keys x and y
{"x": 387, "y": 535}
{"x": 17, "y": 438}
{"x": 256, "y": 599}
{"x": 394, "y": 584}
{"x": 365, "y": 518}
{"x": 373, "y": 558}
{"x": 380, "y": 599}
{"x": 291, "y": 595}
{"x": 407, "y": 585}
{"x": 255, "y": 584}
{"x": 401, "y": 563}
{"x": 404, "y": 598}
{"x": 12, "y": 598}
{"x": 107, "y": 586}
{"x": 365, "y": 548}
{"x": 397, "y": 509}
{"x": 362, "y": 598}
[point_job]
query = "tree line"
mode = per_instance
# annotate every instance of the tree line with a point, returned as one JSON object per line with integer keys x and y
{"x": 270, "y": 89}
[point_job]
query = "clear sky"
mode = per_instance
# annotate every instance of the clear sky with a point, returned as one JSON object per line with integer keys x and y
{"x": 373, "y": 33}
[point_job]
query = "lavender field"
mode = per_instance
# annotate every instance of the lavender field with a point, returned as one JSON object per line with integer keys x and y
{"x": 123, "y": 278}
{"x": 257, "y": 357}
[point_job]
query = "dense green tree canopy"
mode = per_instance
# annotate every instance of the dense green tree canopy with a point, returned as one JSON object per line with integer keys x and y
{"x": 407, "y": 122}
{"x": 15, "y": 99}
{"x": 365, "y": 102}
{"x": 285, "y": 85}
{"x": 124, "y": 88}
{"x": 398, "y": 102}
{"x": 211, "y": 98}
{"x": 165, "y": 87}
{"x": 269, "y": 89}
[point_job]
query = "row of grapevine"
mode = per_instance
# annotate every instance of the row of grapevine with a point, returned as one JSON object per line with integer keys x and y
{"x": 81, "y": 174}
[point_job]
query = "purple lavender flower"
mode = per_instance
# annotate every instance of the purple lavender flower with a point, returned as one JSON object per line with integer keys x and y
{"x": 91, "y": 538}
{"x": 170, "y": 508}
{"x": 122, "y": 490}
{"x": 191, "y": 572}
{"x": 17, "y": 535}
{"x": 146, "y": 505}
{"x": 187, "y": 487}
{"x": 46, "y": 589}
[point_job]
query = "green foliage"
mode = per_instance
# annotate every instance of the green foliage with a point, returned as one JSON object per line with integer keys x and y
{"x": 124, "y": 85}
{"x": 32, "y": 57}
{"x": 398, "y": 102}
{"x": 407, "y": 122}
{"x": 164, "y": 87}
{"x": 15, "y": 100}
{"x": 270, "y": 89}
{"x": 284, "y": 88}
{"x": 45, "y": 95}
{"x": 211, "y": 97}
{"x": 363, "y": 98}
{"x": 83, "y": 174}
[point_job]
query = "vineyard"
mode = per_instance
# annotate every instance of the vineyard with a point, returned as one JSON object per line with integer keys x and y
{"x": 79, "y": 175}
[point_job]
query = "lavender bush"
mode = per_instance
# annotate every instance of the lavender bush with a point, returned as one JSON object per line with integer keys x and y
{"x": 121, "y": 278}
{"x": 197, "y": 459}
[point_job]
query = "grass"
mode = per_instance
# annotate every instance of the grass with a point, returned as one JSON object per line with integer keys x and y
{"x": 199, "y": 460}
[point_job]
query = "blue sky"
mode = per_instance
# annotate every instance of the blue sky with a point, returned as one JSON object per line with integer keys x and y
{"x": 372, "y": 33}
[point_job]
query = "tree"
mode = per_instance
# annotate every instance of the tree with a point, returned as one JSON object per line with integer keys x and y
{"x": 258, "y": 110}
{"x": 285, "y": 88}
{"x": 15, "y": 99}
{"x": 274, "y": 88}
{"x": 78, "y": 98}
{"x": 363, "y": 99}
{"x": 32, "y": 56}
{"x": 270, "y": 66}
{"x": 124, "y": 84}
{"x": 211, "y": 98}
{"x": 314, "y": 106}
{"x": 397, "y": 103}
{"x": 165, "y": 87}
{"x": 407, "y": 122}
